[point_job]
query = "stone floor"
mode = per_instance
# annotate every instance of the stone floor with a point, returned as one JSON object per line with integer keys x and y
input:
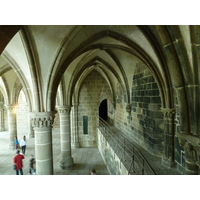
{"x": 84, "y": 158}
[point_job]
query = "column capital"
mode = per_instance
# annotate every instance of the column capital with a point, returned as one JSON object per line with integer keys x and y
{"x": 76, "y": 104}
{"x": 11, "y": 107}
{"x": 168, "y": 112}
{"x": 64, "y": 109}
{"x": 42, "y": 119}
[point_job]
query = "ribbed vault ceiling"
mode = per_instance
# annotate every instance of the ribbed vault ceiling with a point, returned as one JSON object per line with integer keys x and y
{"x": 41, "y": 54}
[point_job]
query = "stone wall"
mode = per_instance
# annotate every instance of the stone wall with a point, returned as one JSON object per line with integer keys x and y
{"x": 112, "y": 161}
{"x": 179, "y": 150}
{"x": 145, "y": 123}
{"x": 22, "y": 115}
{"x": 93, "y": 91}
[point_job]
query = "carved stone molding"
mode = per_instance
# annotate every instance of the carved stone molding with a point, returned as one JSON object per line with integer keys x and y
{"x": 42, "y": 119}
{"x": 64, "y": 109}
{"x": 168, "y": 112}
{"x": 11, "y": 108}
{"x": 184, "y": 138}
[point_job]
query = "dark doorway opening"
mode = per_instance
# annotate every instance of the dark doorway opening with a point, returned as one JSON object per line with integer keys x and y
{"x": 103, "y": 110}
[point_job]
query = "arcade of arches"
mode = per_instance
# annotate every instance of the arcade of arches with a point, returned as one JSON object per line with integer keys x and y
{"x": 144, "y": 80}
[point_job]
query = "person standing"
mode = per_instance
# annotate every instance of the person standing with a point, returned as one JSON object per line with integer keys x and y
{"x": 17, "y": 160}
{"x": 93, "y": 172}
{"x": 23, "y": 144}
{"x": 32, "y": 169}
{"x": 16, "y": 143}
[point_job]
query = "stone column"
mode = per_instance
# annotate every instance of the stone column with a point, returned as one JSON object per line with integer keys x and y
{"x": 75, "y": 142}
{"x": 191, "y": 145}
{"x": 191, "y": 167}
{"x": 168, "y": 158}
{"x": 12, "y": 124}
{"x": 2, "y": 128}
{"x": 65, "y": 136}
{"x": 198, "y": 159}
{"x": 31, "y": 130}
{"x": 42, "y": 123}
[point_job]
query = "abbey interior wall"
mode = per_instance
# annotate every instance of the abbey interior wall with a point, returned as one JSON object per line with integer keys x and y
{"x": 179, "y": 151}
{"x": 145, "y": 123}
{"x": 22, "y": 115}
{"x": 93, "y": 91}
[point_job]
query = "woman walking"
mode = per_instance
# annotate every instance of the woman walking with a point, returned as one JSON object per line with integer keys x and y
{"x": 23, "y": 144}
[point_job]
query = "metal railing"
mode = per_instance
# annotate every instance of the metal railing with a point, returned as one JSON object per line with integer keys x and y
{"x": 129, "y": 154}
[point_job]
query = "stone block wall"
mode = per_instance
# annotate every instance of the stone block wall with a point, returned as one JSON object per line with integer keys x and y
{"x": 93, "y": 91}
{"x": 145, "y": 123}
{"x": 146, "y": 107}
{"x": 112, "y": 161}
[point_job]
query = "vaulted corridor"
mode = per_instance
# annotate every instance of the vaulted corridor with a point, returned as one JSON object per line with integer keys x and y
{"x": 143, "y": 79}
{"x": 85, "y": 159}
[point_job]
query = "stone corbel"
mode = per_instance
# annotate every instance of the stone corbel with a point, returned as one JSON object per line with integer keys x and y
{"x": 128, "y": 108}
{"x": 168, "y": 112}
{"x": 194, "y": 140}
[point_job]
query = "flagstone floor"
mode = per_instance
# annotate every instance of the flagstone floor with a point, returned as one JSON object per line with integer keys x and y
{"x": 84, "y": 158}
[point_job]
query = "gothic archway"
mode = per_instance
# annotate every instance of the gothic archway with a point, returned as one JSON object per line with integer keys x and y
{"x": 103, "y": 110}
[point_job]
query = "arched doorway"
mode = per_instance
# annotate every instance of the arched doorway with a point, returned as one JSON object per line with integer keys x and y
{"x": 103, "y": 110}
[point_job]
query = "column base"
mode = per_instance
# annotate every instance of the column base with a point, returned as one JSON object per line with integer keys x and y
{"x": 191, "y": 168}
{"x": 67, "y": 163}
{"x": 190, "y": 172}
{"x": 168, "y": 163}
{"x": 198, "y": 164}
{"x": 75, "y": 145}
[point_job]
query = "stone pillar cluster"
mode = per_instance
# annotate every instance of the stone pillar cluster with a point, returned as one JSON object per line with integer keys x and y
{"x": 12, "y": 124}
{"x": 65, "y": 135}
{"x": 2, "y": 128}
{"x": 191, "y": 145}
{"x": 42, "y": 123}
{"x": 75, "y": 142}
{"x": 168, "y": 158}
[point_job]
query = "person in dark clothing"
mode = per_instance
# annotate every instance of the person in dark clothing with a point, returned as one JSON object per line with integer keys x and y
{"x": 17, "y": 160}
{"x": 93, "y": 172}
{"x": 32, "y": 167}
